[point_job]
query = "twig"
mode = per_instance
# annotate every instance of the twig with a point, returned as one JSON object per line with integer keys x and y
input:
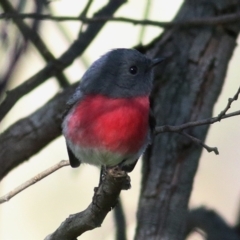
{"x": 180, "y": 128}
{"x": 84, "y": 13}
{"x": 199, "y": 142}
{"x": 145, "y": 16}
{"x": 19, "y": 48}
{"x": 169, "y": 128}
{"x": 76, "y": 49}
{"x": 210, "y": 21}
{"x": 85, "y": 10}
{"x": 33, "y": 180}
{"x": 104, "y": 199}
{"x": 230, "y": 100}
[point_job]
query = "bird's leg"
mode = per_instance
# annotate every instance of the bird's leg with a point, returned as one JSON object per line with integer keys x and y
{"x": 102, "y": 175}
{"x": 101, "y": 179}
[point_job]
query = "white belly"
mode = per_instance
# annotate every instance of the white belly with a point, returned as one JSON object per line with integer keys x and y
{"x": 99, "y": 157}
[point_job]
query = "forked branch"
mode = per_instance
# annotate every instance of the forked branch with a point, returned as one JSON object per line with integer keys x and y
{"x": 222, "y": 115}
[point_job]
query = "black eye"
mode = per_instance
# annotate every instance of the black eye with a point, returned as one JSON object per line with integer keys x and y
{"x": 133, "y": 70}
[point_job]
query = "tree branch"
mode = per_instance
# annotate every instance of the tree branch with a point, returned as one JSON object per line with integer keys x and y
{"x": 208, "y": 121}
{"x": 198, "y": 22}
{"x": 211, "y": 223}
{"x": 220, "y": 116}
{"x": 29, "y": 135}
{"x": 30, "y": 34}
{"x": 33, "y": 180}
{"x": 199, "y": 142}
{"x": 84, "y": 13}
{"x": 104, "y": 199}
{"x": 76, "y": 49}
{"x": 120, "y": 221}
{"x": 230, "y": 101}
{"x": 34, "y": 132}
{"x": 19, "y": 48}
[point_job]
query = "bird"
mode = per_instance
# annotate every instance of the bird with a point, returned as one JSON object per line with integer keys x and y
{"x": 108, "y": 120}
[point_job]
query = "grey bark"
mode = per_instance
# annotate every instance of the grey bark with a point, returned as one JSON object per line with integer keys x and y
{"x": 186, "y": 89}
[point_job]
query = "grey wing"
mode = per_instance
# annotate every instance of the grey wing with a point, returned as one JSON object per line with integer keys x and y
{"x": 76, "y": 97}
{"x": 151, "y": 120}
{"x": 74, "y": 162}
{"x": 130, "y": 167}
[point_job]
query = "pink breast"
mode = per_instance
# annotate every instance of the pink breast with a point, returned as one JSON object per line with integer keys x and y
{"x": 119, "y": 125}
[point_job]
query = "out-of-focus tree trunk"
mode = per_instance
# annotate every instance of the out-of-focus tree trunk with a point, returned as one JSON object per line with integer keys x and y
{"x": 186, "y": 89}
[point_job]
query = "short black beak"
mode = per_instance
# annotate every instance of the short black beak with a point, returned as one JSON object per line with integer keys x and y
{"x": 156, "y": 61}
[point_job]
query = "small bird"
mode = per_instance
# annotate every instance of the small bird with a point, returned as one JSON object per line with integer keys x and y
{"x": 108, "y": 120}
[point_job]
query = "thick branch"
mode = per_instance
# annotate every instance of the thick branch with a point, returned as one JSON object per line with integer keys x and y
{"x": 211, "y": 223}
{"x": 29, "y": 135}
{"x": 76, "y": 49}
{"x": 105, "y": 198}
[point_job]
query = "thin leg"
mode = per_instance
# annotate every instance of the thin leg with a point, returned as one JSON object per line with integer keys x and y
{"x": 102, "y": 175}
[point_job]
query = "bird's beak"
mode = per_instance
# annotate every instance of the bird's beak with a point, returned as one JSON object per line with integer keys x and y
{"x": 156, "y": 61}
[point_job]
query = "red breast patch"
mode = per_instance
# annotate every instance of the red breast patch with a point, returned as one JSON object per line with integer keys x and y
{"x": 115, "y": 124}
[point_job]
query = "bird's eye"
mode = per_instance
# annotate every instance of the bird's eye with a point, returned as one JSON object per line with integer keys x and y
{"x": 133, "y": 70}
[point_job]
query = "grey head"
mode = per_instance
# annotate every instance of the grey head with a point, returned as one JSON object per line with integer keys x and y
{"x": 120, "y": 73}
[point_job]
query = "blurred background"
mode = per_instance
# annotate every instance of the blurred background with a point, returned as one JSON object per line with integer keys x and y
{"x": 39, "y": 210}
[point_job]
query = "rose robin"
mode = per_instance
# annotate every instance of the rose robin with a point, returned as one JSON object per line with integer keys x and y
{"x": 107, "y": 121}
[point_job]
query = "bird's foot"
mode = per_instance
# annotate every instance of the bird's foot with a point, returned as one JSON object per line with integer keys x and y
{"x": 118, "y": 173}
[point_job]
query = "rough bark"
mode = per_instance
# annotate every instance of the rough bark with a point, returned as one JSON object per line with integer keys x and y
{"x": 186, "y": 89}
